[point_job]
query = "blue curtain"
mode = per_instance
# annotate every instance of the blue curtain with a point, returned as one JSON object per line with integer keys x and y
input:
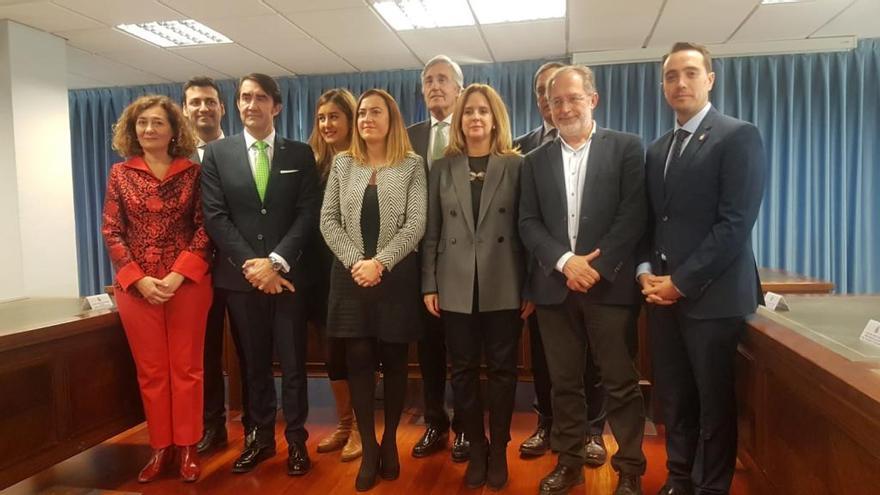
{"x": 819, "y": 115}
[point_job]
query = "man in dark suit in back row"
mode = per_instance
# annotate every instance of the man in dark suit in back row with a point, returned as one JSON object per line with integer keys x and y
{"x": 261, "y": 199}
{"x": 582, "y": 214}
{"x": 538, "y": 443}
{"x": 705, "y": 184}
{"x": 442, "y": 81}
{"x": 203, "y": 106}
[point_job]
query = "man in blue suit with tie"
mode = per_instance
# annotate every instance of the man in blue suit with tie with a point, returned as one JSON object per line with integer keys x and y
{"x": 705, "y": 182}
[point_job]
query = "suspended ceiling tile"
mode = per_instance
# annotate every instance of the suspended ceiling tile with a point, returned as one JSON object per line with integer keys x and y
{"x": 610, "y": 25}
{"x": 788, "y": 21}
{"x": 46, "y": 16}
{"x": 117, "y": 12}
{"x": 860, "y": 19}
{"x": 546, "y": 39}
{"x": 704, "y": 21}
{"x": 462, "y": 44}
{"x": 231, "y": 59}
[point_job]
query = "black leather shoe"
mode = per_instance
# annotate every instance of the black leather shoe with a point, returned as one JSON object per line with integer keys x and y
{"x": 433, "y": 440}
{"x": 669, "y": 489}
{"x": 478, "y": 458}
{"x": 213, "y": 437}
{"x": 461, "y": 448}
{"x": 251, "y": 456}
{"x": 562, "y": 479}
{"x": 298, "y": 462}
{"x": 629, "y": 484}
{"x": 536, "y": 445}
{"x": 595, "y": 453}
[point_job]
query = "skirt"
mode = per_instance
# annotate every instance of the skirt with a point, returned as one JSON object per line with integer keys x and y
{"x": 390, "y": 311}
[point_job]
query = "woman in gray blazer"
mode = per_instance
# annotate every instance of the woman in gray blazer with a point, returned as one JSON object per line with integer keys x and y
{"x": 473, "y": 271}
{"x": 373, "y": 218}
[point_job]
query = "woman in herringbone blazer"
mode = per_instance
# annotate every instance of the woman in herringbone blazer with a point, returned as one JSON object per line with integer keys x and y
{"x": 473, "y": 272}
{"x": 373, "y": 218}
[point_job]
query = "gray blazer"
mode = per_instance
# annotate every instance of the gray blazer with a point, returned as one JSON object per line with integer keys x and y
{"x": 401, "y": 189}
{"x": 454, "y": 247}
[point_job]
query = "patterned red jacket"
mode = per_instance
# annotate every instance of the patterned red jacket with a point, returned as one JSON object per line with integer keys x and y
{"x": 152, "y": 226}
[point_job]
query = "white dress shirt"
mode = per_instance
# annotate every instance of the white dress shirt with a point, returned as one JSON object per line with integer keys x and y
{"x": 252, "y": 152}
{"x": 574, "y": 168}
{"x": 200, "y": 146}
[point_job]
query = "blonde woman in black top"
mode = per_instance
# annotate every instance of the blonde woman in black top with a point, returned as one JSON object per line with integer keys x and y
{"x": 373, "y": 218}
{"x": 473, "y": 272}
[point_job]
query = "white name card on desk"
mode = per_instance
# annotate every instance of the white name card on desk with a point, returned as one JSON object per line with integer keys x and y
{"x": 871, "y": 333}
{"x": 775, "y": 302}
{"x": 99, "y": 301}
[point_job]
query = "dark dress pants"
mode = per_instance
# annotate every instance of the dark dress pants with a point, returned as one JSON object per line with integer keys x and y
{"x": 693, "y": 363}
{"x": 469, "y": 337}
{"x": 266, "y": 322}
{"x": 432, "y": 363}
{"x": 215, "y": 390}
{"x": 570, "y": 330}
{"x": 594, "y": 393}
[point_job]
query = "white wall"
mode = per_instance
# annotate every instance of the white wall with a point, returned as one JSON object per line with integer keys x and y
{"x": 36, "y": 175}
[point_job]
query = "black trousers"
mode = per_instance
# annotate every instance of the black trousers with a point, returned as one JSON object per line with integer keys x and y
{"x": 432, "y": 363}
{"x": 594, "y": 391}
{"x": 470, "y": 337}
{"x": 693, "y": 362}
{"x": 215, "y": 390}
{"x": 570, "y": 330}
{"x": 266, "y": 323}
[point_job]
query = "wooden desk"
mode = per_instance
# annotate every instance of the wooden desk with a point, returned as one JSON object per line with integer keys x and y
{"x": 67, "y": 382}
{"x": 809, "y": 396}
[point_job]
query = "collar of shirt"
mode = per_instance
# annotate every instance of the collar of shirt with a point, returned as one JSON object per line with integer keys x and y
{"x": 250, "y": 140}
{"x": 201, "y": 144}
{"x": 547, "y": 127}
{"x": 566, "y": 148}
{"x": 694, "y": 123}
{"x": 448, "y": 120}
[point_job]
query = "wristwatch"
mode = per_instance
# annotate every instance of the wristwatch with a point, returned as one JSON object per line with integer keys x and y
{"x": 276, "y": 263}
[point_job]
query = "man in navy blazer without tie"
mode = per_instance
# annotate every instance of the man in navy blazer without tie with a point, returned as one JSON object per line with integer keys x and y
{"x": 582, "y": 215}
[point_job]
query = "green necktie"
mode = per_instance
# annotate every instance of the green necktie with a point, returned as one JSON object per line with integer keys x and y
{"x": 261, "y": 170}
{"x": 439, "y": 141}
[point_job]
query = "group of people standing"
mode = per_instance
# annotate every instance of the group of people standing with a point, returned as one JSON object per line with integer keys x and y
{"x": 445, "y": 235}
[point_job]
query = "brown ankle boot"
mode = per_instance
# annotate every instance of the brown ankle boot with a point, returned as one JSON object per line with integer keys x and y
{"x": 337, "y": 439}
{"x": 353, "y": 448}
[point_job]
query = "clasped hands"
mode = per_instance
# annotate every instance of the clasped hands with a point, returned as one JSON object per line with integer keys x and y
{"x": 659, "y": 289}
{"x": 580, "y": 276}
{"x": 367, "y": 273}
{"x": 158, "y": 291}
{"x": 259, "y": 272}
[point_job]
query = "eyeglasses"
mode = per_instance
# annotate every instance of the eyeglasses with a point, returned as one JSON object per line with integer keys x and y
{"x": 573, "y": 100}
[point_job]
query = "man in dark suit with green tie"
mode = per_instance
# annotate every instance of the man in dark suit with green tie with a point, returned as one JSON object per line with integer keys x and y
{"x": 261, "y": 198}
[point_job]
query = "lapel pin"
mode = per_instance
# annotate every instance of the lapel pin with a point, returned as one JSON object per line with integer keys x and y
{"x": 702, "y": 137}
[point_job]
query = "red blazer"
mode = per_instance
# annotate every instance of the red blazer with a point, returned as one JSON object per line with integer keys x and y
{"x": 152, "y": 226}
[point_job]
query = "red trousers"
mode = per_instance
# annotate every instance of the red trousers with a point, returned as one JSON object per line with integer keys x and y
{"x": 167, "y": 342}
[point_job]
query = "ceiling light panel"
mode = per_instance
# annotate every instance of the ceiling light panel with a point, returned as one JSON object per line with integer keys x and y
{"x": 404, "y": 15}
{"x": 168, "y": 34}
{"x": 498, "y": 11}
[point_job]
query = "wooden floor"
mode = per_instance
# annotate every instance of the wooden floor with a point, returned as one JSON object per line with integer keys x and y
{"x": 112, "y": 467}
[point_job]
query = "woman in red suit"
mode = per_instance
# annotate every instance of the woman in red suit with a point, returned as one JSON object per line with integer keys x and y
{"x": 159, "y": 249}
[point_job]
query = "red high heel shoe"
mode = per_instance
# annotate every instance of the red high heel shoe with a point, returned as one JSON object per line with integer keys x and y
{"x": 157, "y": 463}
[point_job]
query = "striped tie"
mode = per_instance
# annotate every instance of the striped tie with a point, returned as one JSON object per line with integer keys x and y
{"x": 261, "y": 170}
